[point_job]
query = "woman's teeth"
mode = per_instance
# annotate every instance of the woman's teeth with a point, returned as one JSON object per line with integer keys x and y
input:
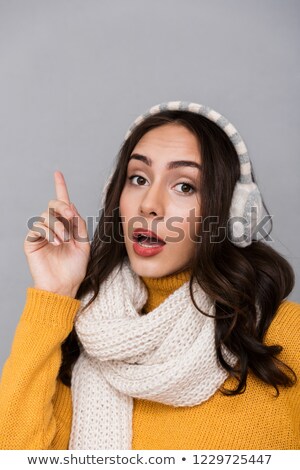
{"x": 143, "y": 242}
{"x": 148, "y": 245}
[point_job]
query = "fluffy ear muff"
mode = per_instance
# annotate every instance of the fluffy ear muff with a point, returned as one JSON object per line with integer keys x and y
{"x": 246, "y": 212}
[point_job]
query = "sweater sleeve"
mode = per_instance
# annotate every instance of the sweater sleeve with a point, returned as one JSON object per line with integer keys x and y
{"x": 29, "y": 390}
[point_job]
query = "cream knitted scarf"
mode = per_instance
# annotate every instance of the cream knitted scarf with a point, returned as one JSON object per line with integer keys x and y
{"x": 167, "y": 356}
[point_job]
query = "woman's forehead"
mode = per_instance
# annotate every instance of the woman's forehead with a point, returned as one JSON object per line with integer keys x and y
{"x": 171, "y": 137}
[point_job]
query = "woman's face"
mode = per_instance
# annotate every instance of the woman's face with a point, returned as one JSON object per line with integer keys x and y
{"x": 165, "y": 201}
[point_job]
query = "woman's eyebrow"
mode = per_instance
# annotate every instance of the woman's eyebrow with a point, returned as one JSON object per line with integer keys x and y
{"x": 170, "y": 165}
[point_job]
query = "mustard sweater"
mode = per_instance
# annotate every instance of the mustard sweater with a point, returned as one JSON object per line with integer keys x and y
{"x": 36, "y": 409}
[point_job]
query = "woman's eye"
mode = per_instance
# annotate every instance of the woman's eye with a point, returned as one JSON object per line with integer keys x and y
{"x": 136, "y": 176}
{"x": 187, "y": 185}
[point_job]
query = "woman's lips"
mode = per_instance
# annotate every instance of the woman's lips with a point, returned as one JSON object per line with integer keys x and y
{"x": 147, "y": 233}
{"x": 147, "y": 243}
{"x": 152, "y": 250}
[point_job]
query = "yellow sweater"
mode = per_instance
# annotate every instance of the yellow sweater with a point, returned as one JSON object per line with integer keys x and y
{"x": 36, "y": 409}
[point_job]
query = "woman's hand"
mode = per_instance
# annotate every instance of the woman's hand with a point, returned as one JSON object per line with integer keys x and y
{"x": 56, "y": 264}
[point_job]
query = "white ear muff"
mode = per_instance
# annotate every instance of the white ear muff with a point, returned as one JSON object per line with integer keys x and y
{"x": 246, "y": 212}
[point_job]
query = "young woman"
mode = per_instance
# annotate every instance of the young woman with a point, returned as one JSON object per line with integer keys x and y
{"x": 172, "y": 329}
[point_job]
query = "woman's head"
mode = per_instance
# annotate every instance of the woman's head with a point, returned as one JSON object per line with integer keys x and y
{"x": 186, "y": 206}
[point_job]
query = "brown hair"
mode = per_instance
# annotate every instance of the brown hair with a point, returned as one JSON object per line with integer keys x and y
{"x": 235, "y": 278}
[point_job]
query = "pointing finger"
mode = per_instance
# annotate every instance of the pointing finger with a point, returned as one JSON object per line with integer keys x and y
{"x": 61, "y": 187}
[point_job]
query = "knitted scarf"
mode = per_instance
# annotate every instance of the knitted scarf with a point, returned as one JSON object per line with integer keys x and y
{"x": 167, "y": 356}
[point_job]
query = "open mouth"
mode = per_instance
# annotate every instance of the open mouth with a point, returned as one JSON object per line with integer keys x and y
{"x": 147, "y": 241}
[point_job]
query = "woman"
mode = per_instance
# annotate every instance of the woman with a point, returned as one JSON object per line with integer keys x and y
{"x": 172, "y": 330}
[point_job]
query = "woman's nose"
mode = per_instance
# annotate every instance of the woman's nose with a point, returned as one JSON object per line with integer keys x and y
{"x": 152, "y": 203}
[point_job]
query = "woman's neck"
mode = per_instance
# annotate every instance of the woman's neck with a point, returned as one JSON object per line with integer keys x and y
{"x": 159, "y": 288}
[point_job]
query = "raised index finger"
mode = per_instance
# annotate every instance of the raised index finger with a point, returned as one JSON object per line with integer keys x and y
{"x": 61, "y": 187}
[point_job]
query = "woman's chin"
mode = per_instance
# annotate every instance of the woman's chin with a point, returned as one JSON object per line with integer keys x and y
{"x": 147, "y": 268}
{"x": 150, "y": 266}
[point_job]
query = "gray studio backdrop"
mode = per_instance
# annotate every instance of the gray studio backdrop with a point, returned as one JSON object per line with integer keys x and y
{"x": 74, "y": 74}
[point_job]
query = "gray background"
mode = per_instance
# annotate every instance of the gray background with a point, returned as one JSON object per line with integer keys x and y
{"x": 75, "y": 74}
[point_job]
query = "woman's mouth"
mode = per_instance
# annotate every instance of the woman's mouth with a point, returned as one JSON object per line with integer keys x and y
{"x": 145, "y": 245}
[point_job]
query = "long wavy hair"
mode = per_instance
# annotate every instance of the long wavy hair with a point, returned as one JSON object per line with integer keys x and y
{"x": 235, "y": 278}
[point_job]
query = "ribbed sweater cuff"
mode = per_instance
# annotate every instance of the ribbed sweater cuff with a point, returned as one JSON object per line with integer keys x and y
{"x": 50, "y": 308}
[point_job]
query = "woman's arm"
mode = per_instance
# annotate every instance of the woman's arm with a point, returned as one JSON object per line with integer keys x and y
{"x": 30, "y": 395}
